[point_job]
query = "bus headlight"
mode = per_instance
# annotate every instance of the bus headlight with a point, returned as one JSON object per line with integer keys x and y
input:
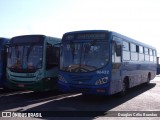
{"x": 62, "y": 79}
{"x": 101, "y": 81}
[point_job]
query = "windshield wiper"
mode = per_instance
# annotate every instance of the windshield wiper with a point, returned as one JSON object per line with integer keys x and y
{"x": 88, "y": 67}
{"x": 72, "y": 67}
{"x": 80, "y": 68}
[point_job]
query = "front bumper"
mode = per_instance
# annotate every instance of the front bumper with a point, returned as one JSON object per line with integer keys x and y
{"x": 87, "y": 89}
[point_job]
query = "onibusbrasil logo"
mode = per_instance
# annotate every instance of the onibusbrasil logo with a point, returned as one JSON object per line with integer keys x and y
{"x": 23, "y": 114}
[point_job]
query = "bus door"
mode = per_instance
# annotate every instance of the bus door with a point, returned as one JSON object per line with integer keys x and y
{"x": 116, "y": 67}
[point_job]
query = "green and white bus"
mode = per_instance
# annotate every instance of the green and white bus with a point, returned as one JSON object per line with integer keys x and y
{"x": 32, "y": 62}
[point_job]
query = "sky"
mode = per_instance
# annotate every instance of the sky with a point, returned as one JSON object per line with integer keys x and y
{"x": 137, "y": 19}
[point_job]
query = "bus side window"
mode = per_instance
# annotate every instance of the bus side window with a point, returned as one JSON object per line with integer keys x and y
{"x": 151, "y": 55}
{"x": 126, "y": 51}
{"x": 146, "y": 52}
{"x": 52, "y": 56}
{"x": 134, "y": 51}
{"x": 141, "y": 53}
{"x": 154, "y": 54}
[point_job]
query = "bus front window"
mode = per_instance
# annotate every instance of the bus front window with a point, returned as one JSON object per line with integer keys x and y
{"x": 25, "y": 57}
{"x": 84, "y": 57}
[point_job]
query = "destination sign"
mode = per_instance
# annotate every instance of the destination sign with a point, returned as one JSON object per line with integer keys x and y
{"x": 28, "y": 39}
{"x": 91, "y": 36}
{"x": 86, "y": 36}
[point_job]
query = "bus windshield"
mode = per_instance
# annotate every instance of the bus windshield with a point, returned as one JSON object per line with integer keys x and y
{"x": 84, "y": 56}
{"x": 25, "y": 57}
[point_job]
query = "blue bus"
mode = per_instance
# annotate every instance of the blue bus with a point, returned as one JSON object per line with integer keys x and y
{"x": 3, "y": 63}
{"x": 104, "y": 62}
{"x": 32, "y": 62}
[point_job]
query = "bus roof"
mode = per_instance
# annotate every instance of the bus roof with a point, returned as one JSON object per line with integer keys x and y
{"x": 38, "y": 35}
{"x": 86, "y": 31}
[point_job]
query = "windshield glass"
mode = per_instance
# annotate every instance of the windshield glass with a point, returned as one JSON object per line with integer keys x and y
{"x": 84, "y": 56}
{"x": 26, "y": 57}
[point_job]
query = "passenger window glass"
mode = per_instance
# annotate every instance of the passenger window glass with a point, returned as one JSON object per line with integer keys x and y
{"x": 151, "y": 52}
{"x": 133, "y": 47}
{"x": 125, "y": 46}
{"x": 146, "y": 51}
{"x": 141, "y": 49}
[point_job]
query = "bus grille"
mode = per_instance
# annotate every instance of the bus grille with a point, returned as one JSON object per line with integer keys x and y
{"x": 24, "y": 82}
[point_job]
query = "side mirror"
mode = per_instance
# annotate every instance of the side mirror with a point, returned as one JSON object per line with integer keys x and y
{"x": 118, "y": 49}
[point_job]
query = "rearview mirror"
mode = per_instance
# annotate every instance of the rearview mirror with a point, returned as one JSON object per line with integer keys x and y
{"x": 118, "y": 49}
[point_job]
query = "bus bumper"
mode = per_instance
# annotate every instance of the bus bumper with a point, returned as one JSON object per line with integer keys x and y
{"x": 42, "y": 85}
{"x": 36, "y": 86}
{"x": 86, "y": 89}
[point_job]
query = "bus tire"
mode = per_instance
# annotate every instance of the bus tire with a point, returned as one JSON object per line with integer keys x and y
{"x": 125, "y": 86}
{"x": 148, "y": 79}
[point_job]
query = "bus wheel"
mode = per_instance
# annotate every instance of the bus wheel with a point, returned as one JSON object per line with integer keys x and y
{"x": 124, "y": 88}
{"x": 148, "y": 79}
